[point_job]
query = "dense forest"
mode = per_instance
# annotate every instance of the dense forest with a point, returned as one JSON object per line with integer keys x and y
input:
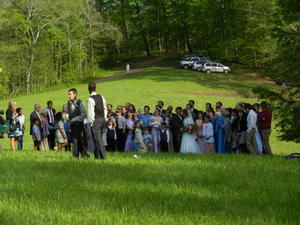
{"x": 50, "y": 42}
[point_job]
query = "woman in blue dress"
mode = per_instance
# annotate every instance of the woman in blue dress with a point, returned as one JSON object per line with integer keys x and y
{"x": 220, "y": 134}
{"x": 129, "y": 146}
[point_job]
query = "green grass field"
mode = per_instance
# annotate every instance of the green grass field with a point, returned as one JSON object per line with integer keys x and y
{"x": 52, "y": 188}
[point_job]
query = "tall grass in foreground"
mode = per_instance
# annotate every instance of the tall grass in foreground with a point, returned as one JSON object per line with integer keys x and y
{"x": 52, "y": 188}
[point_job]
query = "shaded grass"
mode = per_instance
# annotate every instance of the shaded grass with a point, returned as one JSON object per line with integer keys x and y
{"x": 173, "y": 86}
{"x": 52, "y": 188}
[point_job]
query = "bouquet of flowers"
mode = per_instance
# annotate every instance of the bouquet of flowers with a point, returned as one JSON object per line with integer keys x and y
{"x": 189, "y": 129}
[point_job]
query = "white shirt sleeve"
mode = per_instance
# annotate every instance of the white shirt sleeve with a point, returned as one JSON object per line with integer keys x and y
{"x": 104, "y": 107}
{"x": 91, "y": 111}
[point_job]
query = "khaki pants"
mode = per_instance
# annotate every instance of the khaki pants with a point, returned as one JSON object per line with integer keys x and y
{"x": 265, "y": 137}
{"x": 251, "y": 141}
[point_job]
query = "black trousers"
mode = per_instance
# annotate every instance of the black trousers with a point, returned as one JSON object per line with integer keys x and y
{"x": 76, "y": 131}
{"x": 120, "y": 140}
{"x": 111, "y": 144}
{"x": 164, "y": 146}
{"x": 51, "y": 138}
{"x": 177, "y": 141}
{"x": 97, "y": 130}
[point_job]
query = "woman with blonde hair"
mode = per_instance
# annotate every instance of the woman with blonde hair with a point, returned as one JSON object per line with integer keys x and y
{"x": 14, "y": 125}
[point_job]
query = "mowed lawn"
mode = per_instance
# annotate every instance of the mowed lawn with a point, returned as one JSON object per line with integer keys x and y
{"x": 173, "y": 86}
{"x": 53, "y": 188}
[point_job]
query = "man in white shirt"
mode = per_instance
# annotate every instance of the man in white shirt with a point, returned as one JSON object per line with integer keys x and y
{"x": 251, "y": 130}
{"x": 97, "y": 114}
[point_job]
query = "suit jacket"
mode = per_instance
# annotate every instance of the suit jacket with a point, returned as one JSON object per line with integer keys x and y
{"x": 34, "y": 116}
{"x": 48, "y": 118}
{"x": 195, "y": 114}
{"x": 176, "y": 124}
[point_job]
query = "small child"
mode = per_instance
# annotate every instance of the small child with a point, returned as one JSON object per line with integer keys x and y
{"x": 60, "y": 135}
{"x": 111, "y": 135}
{"x": 147, "y": 139}
{"x": 208, "y": 133}
{"x": 138, "y": 138}
{"x": 21, "y": 119}
{"x": 36, "y": 135}
{"x": 164, "y": 137}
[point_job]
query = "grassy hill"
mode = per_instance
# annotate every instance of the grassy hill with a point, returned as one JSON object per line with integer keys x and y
{"x": 147, "y": 85}
{"x": 52, "y": 188}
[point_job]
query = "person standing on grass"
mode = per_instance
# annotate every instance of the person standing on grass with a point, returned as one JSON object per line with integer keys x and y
{"x": 21, "y": 119}
{"x": 251, "y": 129}
{"x": 45, "y": 130}
{"x": 97, "y": 114}
{"x": 35, "y": 115}
{"x": 176, "y": 125}
{"x": 129, "y": 129}
{"x": 51, "y": 121}
{"x": 60, "y": 135}
{"x": 36, "y": 135}
{"x": 77, "y": 114}
{"x": 264, "y": 123}
{"x": 155, "y": 123}
{"x": 120, "y": 125}
{"x": 14, "y": 125}
{"x": 208, "y": 134}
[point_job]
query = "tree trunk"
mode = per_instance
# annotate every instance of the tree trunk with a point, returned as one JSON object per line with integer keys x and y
{"x": 146, "y": 43}
{"x": 28, "y": 72}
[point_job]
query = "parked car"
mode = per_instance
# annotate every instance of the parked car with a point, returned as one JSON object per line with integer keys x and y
{"x": 213, "y": 67}
{"x": 199, "y": 64}
{"x": 188, "y": 62}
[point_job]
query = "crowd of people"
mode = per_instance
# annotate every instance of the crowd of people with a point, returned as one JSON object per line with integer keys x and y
{"x": 246, "y": 128}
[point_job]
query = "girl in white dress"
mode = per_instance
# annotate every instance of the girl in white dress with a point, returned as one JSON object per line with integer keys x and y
{"x": 189, "y": 143}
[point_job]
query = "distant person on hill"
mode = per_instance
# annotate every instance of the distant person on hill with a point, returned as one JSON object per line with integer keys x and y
{"x": 264, "y": 124}
{"x": 77, "y": 113}
{"x": 97, "y": 114}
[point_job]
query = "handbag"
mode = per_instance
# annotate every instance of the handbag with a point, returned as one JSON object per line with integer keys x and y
{"x": 12, "y": 127}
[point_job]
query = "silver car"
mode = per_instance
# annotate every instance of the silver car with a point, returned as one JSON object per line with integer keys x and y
{"x": 188, "y": 62}
{"x": 199, "y": 64}
{"x": 213, "y": 67}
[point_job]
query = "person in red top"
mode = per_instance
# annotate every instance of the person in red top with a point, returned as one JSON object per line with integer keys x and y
{"x": 264, "y": 125}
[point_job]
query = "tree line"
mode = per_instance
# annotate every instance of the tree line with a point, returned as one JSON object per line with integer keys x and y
{"x": 46, "y": 42}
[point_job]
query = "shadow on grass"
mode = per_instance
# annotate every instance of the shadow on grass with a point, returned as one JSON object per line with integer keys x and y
{"x": 211, "y": 187}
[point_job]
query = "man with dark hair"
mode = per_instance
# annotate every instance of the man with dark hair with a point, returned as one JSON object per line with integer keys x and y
{"x": 176, "y": 126}
{"x": 121, "y": 124}
{"x": 264, "y": 124}
{"x": 145, "y": 117}
{"x": 77, "y": 114}
{"x": 251, "y": 129}
{"x": 50, "y": 117}
{"x": 97, "y": 114}
{"x": 192, "y": 112}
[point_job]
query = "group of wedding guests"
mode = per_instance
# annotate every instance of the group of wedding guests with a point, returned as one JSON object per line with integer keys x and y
{"x": 245, "y": 128}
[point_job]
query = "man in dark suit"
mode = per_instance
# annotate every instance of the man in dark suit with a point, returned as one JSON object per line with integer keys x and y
{"x": 176, "y": 126}
{"x": 194, "y": 112}
{"x": 35, "y": 115}
{"x": 51, "y": 120}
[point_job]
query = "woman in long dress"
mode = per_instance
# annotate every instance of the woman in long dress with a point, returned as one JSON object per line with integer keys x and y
{"x": 199, "y": 124}
{"x": 155, "y": 123}
{"x": 189, "y": 143}
{"x": 129, "y": 146}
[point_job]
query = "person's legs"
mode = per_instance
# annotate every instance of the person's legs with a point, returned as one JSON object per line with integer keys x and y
{"x": 20, "y": 142}
{"x": 97, "y": 135}
{"x": 265, "y": 136}
{"x": 251, "y": 141}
